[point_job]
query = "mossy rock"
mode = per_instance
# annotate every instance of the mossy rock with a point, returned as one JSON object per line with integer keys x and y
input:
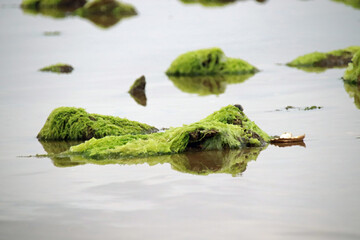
{"x": 319, "y": 61}
{"x": 137, "y": 91}
{"x": 210, "y": 61}
{"x": 228, "y": 128}
{"x": 352, "y": 3}
{"x": 58, "y": 68}
{"x": 209, "y": 3}
{"x": 352, "y": 73}
{"x": 64, "y": 5}
{"x": 207, "y": 85}
{"x": 106, "y": 13}
{"x": 354, "y": 92}
{"x": 69, "y": 123}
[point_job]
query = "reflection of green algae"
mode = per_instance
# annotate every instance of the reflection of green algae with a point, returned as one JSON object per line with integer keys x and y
{"x": 319, "y": 62}
{"x": 232, "y": 162}
{"x": 69, "y": 123}
{"x": 103, "y": 13}
{"x": 354, "y": 92}
{"x": 209, "y": 3}
{"x": 352, "y": 73}
{"x": 55, "y": 147}
{"x": 206, "y": 85}
{"x": 353, "y": 3}
{"x": 211, "y": 61}
{"x": 228, "y": 128}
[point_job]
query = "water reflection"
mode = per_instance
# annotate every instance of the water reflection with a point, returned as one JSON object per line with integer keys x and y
{"x": 354, "y": 92}
{"x": 352, "y": 3}
{"x": 232, "y": 162}
{"x": 207, "y": 85}
{"x": 103, "y": 18}
{"x": 215, "y": 3}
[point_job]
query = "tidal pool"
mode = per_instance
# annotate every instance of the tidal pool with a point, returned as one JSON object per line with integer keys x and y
{"x": 294, "y": 192}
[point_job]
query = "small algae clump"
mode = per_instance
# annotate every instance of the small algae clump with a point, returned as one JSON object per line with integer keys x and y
{"x": 319, "y": 61}
{"x": 352, "y": 73}
{"x": 58, "y": 68}
{"x": 69, "y": 123}
{"x": 287, "y": 108}
{"x": 353, "y": 3}
{"x": 209, "y": 3}
{"x": 61, "y": 4}
{"x": 228, "y": 128}
{"x": 210, "y": 61}
{"x": 206, "y": 85}
{"x": 106, "y": 13}
{"x": 137, "y": 91}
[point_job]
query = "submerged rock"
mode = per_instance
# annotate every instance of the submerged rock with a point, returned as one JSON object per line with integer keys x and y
{"x": 319, "y": 61}
{"x": 137, "y": 91}
{"x": 58, "y": 68}
{"x": 352, "y": 73}
{"x": 206, "y": 85}
{"x": 69, "y": 123}
{"x": 106, "y": 13}
{"x": 353, "y": 3}
{"x": 228, "y": 128}
{"x": 210, "y": 61}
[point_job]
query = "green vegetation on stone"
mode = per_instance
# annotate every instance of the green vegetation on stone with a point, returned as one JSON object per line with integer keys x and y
{"x": 210, "y": 61}
{"x": 228, "y": 128}
{"x": 318, "y": 61}
{"x": 352, "y": 73}
{"x": 354, "y": 92}
{"x": 353, "y": 3}
{"x": 137, "y": 91}
{"x": 58, "y": 68}
{"x": 69, "y": 123}
{"x": 209, "y": 3}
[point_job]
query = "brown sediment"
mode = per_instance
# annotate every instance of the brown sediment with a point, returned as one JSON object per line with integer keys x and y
{"x": 332, "y": 61}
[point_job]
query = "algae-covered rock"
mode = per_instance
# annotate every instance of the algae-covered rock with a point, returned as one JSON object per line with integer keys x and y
{"x": 206, "y": 85}
{"x": 353, "y": 3}
{"x": 58, "y": 68}
{"x": 137, "y": 91}
{"x": 319, "y": 61}
{"x": 352, "y": 73}
{"x": 106, "y": 13}
{"x": 354, "y": 92}
{"x": 69, "y": 123}
{"x": 65, "y": 5}
{"x": 209, "y": 3}
{"x": 228, "y": 128}
{"x": 210, "y": 61}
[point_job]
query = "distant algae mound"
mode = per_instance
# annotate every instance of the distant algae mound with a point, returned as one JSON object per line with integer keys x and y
{"x": 228, "y": 128}
{"x": 319, "y": 61}
{"x": 69, "y": 123}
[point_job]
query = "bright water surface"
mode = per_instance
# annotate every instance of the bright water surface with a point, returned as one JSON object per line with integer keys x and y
{"x": 287, "y": 193}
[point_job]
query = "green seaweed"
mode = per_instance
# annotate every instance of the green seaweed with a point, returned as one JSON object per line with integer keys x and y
{"x": 210, "y": 61}
{"x": 209, "y": 3}
{"x": 206, "y": 85}
{"x": 352, "y": 73}
{"x": 61, "y": 4}
{"x": 69, "y": 123}
{"x": 319, "y": 61}
{"x": 352, "y": 3}
{"x": 228, "y": 128}
{"x": 58, "y": 68}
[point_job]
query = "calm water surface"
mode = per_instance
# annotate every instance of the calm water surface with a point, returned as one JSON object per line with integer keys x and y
{"x": 297, "y": 192}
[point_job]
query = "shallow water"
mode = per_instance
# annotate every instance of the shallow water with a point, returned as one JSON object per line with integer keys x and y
{"x": 287, "y": 193}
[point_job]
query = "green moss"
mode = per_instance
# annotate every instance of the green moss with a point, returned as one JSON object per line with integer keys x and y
{"x": 354, "y": 92}
{"x": 318, "y": 61}
{"x": 227, "y": 128}
{"x": 69, "y": 123}
{"x": 353, "y": 3}
{"x": 352, "y": 73}
{"x": 206, "y": 85}
{"x": 209, "y": 3}
{"x": 106, "y": 13}
{"x": 58, "y": 68}
{"x": 210, "y": 61}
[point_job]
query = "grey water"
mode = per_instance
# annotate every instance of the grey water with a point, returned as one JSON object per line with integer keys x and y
{"x": 286, "y": 193}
